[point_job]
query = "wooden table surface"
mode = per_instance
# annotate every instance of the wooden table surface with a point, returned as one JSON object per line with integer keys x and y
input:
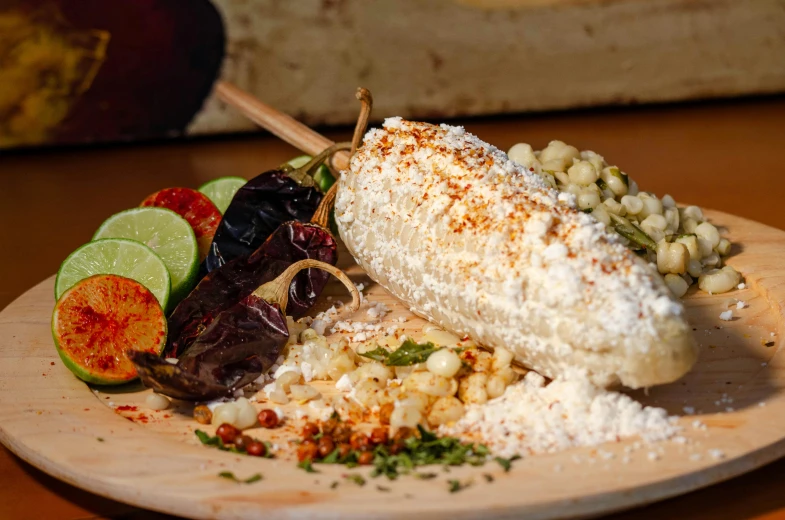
{"x": 722, "y": 155}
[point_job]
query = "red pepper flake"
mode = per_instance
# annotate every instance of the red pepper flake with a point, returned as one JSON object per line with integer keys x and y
{"x": 52, "y": 363}
{"x": 126, "y": 408}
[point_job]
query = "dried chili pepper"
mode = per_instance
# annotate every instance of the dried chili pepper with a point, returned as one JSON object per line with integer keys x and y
{"x": 234, "y": 281}
{"x": 261, "y": 205}
{"x": 239, "y": 345}
{"x": 292, "y": 241}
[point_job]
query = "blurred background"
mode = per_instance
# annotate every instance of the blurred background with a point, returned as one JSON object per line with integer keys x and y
{"x": 80, "y": 71}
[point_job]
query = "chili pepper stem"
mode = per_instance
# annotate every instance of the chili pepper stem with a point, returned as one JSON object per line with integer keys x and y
{"x": 321, "y": 216}
{"x": 277, "y": 291}
{"x": 304, "y": 174}
{"x": 365, "y": 98}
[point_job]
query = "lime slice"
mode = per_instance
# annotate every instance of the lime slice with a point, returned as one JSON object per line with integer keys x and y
{"x": 118, "y": 256}
{"x": 323, "y": 178}
{"x": 300, "y": 160}
{"x": 98, "y": 320}
{"x": 221, "y": 191}
{"x": 166, "y": 233}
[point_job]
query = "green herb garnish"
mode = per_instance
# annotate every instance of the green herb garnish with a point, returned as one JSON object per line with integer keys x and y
{"x": 217, "y": 442}
{"x": 632, "y": 232}
{"x": 307, "y": 465}
{"x": 602, "y": 184}
{"x": 268, "y": 450}
{"x": 488, "y": 477}
{"x": 379, "y": 354}
{"x": 506, "y": 463}
{"x": 100, "y": 439}
{"x": 384, "y": 489}
{"x": 357, "y": 479}
{"x": 411, "y": 353}
{"x": 250, "y": 480}
{"x": 332, "y": 458}
{"x": 334, "y": 484}
{"x": 456, "y": 485}
{"x": 422, "y": 449}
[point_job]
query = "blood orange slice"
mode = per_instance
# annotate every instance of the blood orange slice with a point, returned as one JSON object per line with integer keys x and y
{"x": 97, "y": 320}
{"x": 193, "y": 206}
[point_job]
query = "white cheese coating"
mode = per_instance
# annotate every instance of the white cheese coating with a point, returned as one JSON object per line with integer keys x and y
{"x": 482, "y": 246}
{"x": 532, "y": 418}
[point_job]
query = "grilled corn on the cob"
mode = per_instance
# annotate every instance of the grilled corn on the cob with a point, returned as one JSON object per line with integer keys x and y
{"x": 482, "y": 246}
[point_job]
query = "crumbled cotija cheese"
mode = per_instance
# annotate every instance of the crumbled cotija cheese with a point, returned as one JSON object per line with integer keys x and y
{"x": 532, "y": 418}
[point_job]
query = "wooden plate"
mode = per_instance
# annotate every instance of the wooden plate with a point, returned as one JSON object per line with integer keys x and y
{"x": 60, "y": 425}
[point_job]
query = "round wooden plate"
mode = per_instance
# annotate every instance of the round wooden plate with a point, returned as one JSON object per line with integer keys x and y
{"x": 62, "y": 426}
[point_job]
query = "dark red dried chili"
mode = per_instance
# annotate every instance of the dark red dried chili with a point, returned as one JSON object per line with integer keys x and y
{"x": 239, "y": 345}
{"x": 263, "y": 204}
{"x": 230, "y": 283}
{"x": 226, "y": 286}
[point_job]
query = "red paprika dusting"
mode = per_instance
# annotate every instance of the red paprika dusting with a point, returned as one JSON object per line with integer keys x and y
{"x": 102, "y": 317}
{"x": 126, "y": 408}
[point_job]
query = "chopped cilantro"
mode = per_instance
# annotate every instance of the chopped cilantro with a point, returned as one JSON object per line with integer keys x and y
{"x": 506, "y": 463}
{"x": 307, "y": 465}
{"x": 250, "y": 480}
{"x": 379, "y": 354}
{"x": 357, "y": 479}
{"x": 411, "y": 353}
{"x": 456, "y": 485}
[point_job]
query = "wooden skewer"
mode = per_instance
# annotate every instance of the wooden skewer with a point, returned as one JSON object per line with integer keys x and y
{"x": 277, "y": 123}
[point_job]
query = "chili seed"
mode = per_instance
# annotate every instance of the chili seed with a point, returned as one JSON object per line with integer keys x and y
{"x": 403, "y": 433}
{"x": 307, "y": 450}
{"x": 341, "y": 433}
{"x": 344, "y": 449}
{"x": 255, "y": 449}
{"x": 203, "y": 415}
{"x": 365, "y": 458}
{"x": 379, "y": 436}
{"x": 385, "y": 411}
{"x": 309, "y": 430}
{"x": 328, "y": 426}
{"x": 268, "y": 418}
{"x": 326, "y": 446}
{"x": 243, "y": 441}
{"x": 227, "y": 433}
{"x": 360, "y": 442}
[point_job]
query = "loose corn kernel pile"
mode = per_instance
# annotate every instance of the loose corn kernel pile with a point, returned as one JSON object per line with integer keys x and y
{"x": 430, "y": 393}
{"x": 683, "y": 245}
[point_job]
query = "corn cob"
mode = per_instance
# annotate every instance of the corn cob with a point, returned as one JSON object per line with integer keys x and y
{"x": 483, "y": 247}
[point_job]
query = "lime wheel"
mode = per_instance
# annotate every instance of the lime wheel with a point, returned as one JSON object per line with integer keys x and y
{"x": 195, "y": 207}
{"x": 99, "y": 319}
